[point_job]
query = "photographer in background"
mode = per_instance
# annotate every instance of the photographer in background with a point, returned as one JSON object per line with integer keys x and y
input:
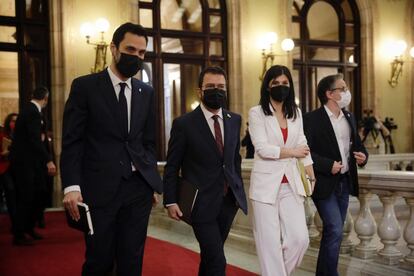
{"x": 375, "y": 134}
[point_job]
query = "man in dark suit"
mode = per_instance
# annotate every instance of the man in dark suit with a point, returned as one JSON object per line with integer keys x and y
{"x": 108, "y": 158}
{"x": 196, "y": 148}
{"x": 336, "y": 150}
{"x": 29, "y": 159}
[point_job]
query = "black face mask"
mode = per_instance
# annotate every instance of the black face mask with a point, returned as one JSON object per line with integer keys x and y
{"x": 214, "y": 98}
{"x": 279, "y": 93}
{"x": 129, "y": 65}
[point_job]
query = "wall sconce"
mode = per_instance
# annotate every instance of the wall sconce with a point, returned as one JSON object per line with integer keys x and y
{"x": 268, "y": 56}
{"x": 397, "y": 49}
{"x": 87, "y": 30}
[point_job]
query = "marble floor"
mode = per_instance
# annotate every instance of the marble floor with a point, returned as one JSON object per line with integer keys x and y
{"x": 240, "y": 259}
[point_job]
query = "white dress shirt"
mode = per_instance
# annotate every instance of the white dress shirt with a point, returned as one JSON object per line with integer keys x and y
{"x": 37, "y": 105}
{"x": 127, "y": 92}
{"x": 343, "y": 136}
{"x": 210, "y": 121}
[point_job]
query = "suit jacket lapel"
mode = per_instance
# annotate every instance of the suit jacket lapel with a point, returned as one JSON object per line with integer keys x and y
{"x": 205, "y": 129}
{"x": 108, "y": 92}
{"x": 136, "y": 96}
{"x": 227, "y": 130}
{"x": 274, "y": 125}
{"x": 351, "y": 124}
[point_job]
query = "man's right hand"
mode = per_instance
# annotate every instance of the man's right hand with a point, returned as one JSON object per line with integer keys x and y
{"x": 70, "y": 201}
{"x": 174, "y": 212}
{"x": 336, "y": 167}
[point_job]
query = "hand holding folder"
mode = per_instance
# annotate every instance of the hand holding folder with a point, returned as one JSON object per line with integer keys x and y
{"x": 84, "y": 224}
{"x": 186, "y": 197}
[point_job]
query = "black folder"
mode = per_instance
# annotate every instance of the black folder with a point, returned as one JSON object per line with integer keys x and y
{"x": 186, "y": 197}
{"x": 84, "y": 224}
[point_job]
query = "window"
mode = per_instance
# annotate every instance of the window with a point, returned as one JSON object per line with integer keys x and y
{"x": 326, "y": 35}
{"x": 24, "y": 52}
{"x": 185, "y": 36}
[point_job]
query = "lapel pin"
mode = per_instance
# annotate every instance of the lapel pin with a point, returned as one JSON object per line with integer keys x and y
{"x": 139, "y": 90}
{"x": 228, "y": 115}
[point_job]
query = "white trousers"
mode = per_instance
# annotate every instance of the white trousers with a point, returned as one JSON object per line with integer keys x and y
{"x": 280, "y": 233}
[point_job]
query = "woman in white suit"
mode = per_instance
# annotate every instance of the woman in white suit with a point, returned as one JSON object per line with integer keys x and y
{"x": 276, "y": 190}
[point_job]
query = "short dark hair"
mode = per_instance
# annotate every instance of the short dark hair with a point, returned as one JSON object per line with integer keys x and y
{"x": 289, "y": 107}
{"x": 128, "y": 27}
{"x": 40, "y": 93}
{"x": 214, "y": 70}
{"x": 326, "y": 84}
{"x": 6, "y": 128}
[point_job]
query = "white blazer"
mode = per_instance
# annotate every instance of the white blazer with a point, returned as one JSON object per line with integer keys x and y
{"x": 268, "y": 168}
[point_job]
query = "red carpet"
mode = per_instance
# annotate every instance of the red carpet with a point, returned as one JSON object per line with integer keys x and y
{"x": 61, "y": 253}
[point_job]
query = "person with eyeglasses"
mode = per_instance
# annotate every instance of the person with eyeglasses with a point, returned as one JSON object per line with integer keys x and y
{"x": 336, "y": 150}
{"x": 204, "y": 145}
{"x": 276, "y": 189}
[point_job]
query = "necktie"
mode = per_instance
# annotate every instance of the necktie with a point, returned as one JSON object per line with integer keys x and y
{"x": 123, "y": 109}
{"x": 217, "y": 134}
{"x": 220, "y": 146}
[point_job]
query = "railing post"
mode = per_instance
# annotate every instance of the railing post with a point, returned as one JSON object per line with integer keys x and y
{"x": 365, "y": 227}
{"x": 316, "y": 240}
{"x": 409, "y": 236}
{"x": 389, "y": 232}
{"x": 309, "y": 215}
{"x": 346, "y": 244}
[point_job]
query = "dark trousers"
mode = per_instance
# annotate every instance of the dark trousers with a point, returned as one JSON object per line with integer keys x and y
{"x": 332, "y": 211}
{"x": 211, "y": 237}
{"x": 29, "y": 184}
{"x": 120, "y": 230}
{"x": 10, "y": 195}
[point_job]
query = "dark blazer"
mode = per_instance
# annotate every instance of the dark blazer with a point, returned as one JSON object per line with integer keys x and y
{"x": 95, "y": 154}
{"x": 192, "y": 149}
{"x": 325, "y": 150}
{"x": 27, "y": 149}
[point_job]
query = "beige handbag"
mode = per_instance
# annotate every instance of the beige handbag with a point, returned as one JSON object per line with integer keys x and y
{"x": 305, "y": 181}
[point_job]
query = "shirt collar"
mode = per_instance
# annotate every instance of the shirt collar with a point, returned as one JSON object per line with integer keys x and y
{"x": 330, "y": 113}
{"x": 115, "y": 80}
{"x": 37, "y": 105}
{"x": 209, "y": 114}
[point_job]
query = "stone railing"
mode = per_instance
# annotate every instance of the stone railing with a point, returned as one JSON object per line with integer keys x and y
{"x": 398, "y": 161}
{"x": 376, "y": 241}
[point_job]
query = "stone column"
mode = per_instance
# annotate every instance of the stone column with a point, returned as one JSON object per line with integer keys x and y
{"x": 347, "y": 245}
{"x": 389, "y": 232}
{"x": 409, "y": 236}
{"x": 365, "y": 227}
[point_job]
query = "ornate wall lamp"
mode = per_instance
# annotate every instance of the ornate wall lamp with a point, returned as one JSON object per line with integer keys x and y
{"x": 87, "y": 30}
{"x": 266, "y": 44}
{"x": 397, "y": 49}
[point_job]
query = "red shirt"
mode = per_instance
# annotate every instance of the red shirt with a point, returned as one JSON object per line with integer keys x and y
{"x": 285, "y": 135}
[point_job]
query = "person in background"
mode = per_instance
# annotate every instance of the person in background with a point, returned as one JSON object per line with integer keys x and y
{"x": 276, "y": 189}
{"x": 247, "y": 142}
{"x": 6, "y": 180}
{"x": 336, "y": 151}
{"x": 29, "y": 159}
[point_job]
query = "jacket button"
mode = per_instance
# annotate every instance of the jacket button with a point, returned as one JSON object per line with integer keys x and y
{"x": 121, "y": 163}
{"x": 224, "y": 166}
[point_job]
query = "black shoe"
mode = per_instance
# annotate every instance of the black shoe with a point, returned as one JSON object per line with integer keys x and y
{"x": 35, "y": 235}
{"x": 41, "y": 223}
{"x": 22, "y": 241}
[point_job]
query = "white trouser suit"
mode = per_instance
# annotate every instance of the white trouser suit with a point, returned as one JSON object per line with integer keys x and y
{"x": 279, "y": 224}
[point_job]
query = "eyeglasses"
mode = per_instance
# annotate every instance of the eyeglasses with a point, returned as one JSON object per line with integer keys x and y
{"x": 212, "y": 86}
{"x": 341, "y": 89}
